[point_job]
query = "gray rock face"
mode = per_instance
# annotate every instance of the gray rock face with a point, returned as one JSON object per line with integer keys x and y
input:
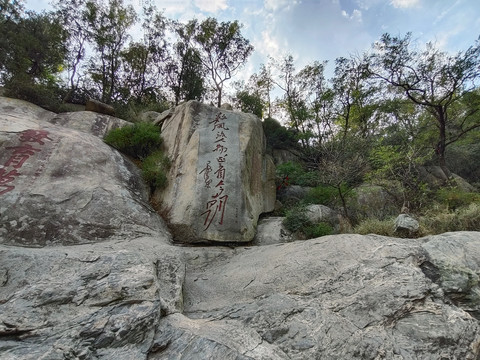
{"x": 61, "y": 186}
{"x": 271, "y": 231}
{"x": 406, "y": 225}
{"x": 221, "y": 179}
{"x": 454, "y": 264}
{"x": 100, "y": 301}
{"x": 89, "y": 122}
{"x": 336, "y": 297}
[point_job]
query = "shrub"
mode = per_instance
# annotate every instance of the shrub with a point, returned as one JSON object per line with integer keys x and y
{"x": 296, "y": 219}
{"x": 317, "y": 230}
{"x": 463, "y": 219}
{"x": 155, "y": 168}
{"x": 297, "y": 175}
{"x": 278, "y": 136}
{"x": 137, "y": 140}
{"x": 322, "y": 194}
{"x": 375, "y": 226}
{"x": 455, "y": 198}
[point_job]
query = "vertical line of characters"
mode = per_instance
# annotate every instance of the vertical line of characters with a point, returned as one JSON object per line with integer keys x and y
{"x": 214, "y": 174}
{"x": 20, "y": 154}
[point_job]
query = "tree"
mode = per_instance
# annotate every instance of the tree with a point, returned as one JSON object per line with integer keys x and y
{"x": 319, "y": 100}
{"x": 223, "y": 50}
{"x": 432, "y": 79}
{"x": 10, "y": 15}
{"x": 342, "y": 164}
{"x": 72, "y": 14}
{"x": 34, "y": 54}
{"x": 143, "y": 61}
{"x": 292, "y": 101}
{"x": 355, "y": 97}
{"x": 184, "y": 70}
{"x": 108, "y": 26}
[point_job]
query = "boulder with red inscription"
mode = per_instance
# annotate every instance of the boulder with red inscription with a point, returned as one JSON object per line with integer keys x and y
{"x": 221, "y": 178}
{"x": 63, "y": 186}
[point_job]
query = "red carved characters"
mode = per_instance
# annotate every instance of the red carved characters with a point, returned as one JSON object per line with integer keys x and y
{"x": 20, "y": 155}
{"x": 215, "y": 207}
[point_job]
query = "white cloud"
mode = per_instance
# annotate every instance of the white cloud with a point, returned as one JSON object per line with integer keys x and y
{"x": 356, "y": 15}
{"x": 404, "y": 3}
{"x": 211, "y": 6}
{"x": 268, "y": 45}
{"x": 274, "y": 5}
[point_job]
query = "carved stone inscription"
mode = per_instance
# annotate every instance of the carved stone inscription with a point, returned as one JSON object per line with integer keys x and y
{"x": 218, "y": 176}
{"x": 31, "y": 143}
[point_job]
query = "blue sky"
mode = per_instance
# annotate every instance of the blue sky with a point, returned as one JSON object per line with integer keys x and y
{"x": 326, "y": 29}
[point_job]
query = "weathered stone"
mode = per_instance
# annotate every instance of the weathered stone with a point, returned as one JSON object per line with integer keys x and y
{"x": 61, "y": 186}
{"x": 318, "y": 213}
{"x": 282, "y": 156}
{"x": 220, "y": 180}
{"x": 184, "y": 338}
{"x": 271, "y": 231}
{"x": 99, "y": 107}
{"x": 12, "y": 109}
{"x": 226, "y": 106}
{"x": 405, "y": 225}
{"x": 89, "y": 122}
{"x": 454, "y": 264}
{"x": 336, "y": 297}
{"x": 293, "y": 193}
{"x": 97, "y": 301}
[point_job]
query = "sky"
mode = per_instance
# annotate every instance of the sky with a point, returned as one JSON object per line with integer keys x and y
{"x": 323, "y": 30}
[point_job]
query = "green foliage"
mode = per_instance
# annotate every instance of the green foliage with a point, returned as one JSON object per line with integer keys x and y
{"x": 321, "y": 194}
{"x": 48, "y": 96}
{"x": 131, "y": 110}
{"x": 250, "y": 103}
{"x": 224, "y": 50}
{"x": 317, "y": 230}
{"x": 463, "y": 219}
{"x": 137, "y": 140}
{"x": 278, "y": 136}
{"x": 455, "y": 198}
{"x": 297, "y": 175}
{"x": 296, "y": 219}
{"x": 154, "y": 169}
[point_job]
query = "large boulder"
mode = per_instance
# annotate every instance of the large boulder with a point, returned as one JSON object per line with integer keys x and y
{"x": 336, "y": 297}
{"x": 95, "y": 301}
{"x": 221, "y": 179}
{"x": 62, "y": 186}
{"x": 89, "y": 122}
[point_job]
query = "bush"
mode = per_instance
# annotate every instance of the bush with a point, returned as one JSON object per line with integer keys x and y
{"x": 296, "y": 219}
{"x": 322, "y": 194}
{"x": 155, "y": 168}
{"x": 463, "y": 219}
{"x": 138, "y": 140}
{"x": 317, "y": 230}
{"x": 376, "y": 226}
{"x": 455, "y": 198}
{"x": 278, "y": 136}
{"x": 297, "y": 175}
{"x": 132, "y": 110}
